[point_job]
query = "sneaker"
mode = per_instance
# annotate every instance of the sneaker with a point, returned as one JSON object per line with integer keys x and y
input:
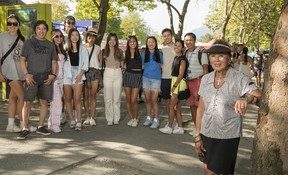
{"x": 92, "y": 122}
{"x": 166, "y": 130}
{"x": 23, "y": 134}
{"x": 87, "y": 121}
{"x": 134, "y": 123}
{"x": 178, "y": 130}
{"x": 63, "y": 118}
{"x": 130, "y": 122}
{"x": 148, "y": 121}
{"x": 56, "y": 130}
{"x": 78, "y": 127}
{"x": 13, "y": 128}
{"x": 72, "y": 124}
{"x": 155, "y": 124}
{"x": 109, "y": 123}
{"x": 43, "y": 131}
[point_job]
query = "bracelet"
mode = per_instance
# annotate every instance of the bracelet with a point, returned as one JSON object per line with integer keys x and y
{"x": 53, "y": 75}
{"x": 197, "y": 136}
{"x": 198, "y": 141}
{"x": 175, "y": 85}
{"x": 26, "y": 73}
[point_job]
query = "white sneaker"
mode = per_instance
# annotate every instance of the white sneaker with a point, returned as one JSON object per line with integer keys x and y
{"x": 166, "y": 130}
{"x": 148, "y": 121}
{"x": 78, "y": 127}
{"x": 178, "y": 130}
{"x": 72, "y": 124}
{"x": 130, "y": 122}
{"x": 13, "y": 128}
{"x": 32, "y": 128}
{"x": 155, "y": 124}
{"x": 56, "y": 130}
{"x": 109, "y": 123}
{"x": 87, "y": 121}
{"x": 63, "y": 118}
{"x": 134, "y": 123}
{"x": 92, "y": 122}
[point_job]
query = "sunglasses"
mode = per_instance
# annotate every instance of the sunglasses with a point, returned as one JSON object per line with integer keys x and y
{"x": 73, "y": 23}
{"x": 58, "y": 36}
{"x": 12, "y": 24}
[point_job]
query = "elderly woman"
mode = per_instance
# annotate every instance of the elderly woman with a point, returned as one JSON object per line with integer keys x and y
{"x": 224, "y": 96}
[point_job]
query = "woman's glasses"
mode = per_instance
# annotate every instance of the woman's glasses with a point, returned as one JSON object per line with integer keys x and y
{"x": 12, "y": 24}
{"x": 70, "y": 23}
{"x": 58, "y": 36}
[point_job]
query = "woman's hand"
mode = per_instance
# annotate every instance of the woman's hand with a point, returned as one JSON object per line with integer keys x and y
{"x": 50, "y": 79}
{"x": 241, "y": 106}
{"x": 78, "y": 78}
{"x": 199, "y": 146}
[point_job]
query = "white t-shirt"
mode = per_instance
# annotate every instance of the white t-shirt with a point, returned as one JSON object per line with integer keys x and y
{"x": 94, "y": 62}
{"x": 11, "y": 66}
{"x": 168, "y": 57}
{"x": 195, "y": 70}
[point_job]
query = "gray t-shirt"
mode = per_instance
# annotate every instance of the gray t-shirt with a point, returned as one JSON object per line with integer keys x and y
{"x": 11, "y": 66}
{"x": 220, "y": 119}
{"x": 39, "y": 55}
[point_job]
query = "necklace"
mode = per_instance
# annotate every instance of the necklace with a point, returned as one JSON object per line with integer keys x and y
{"x": 218, "y": 81}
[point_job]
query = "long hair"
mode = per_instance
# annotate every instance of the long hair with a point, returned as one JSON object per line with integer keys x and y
{"x": 245, "y": 51}
{"x": 128, "y": 52}
{"x": 117, "y": 53}
{"x": 69, "y": 43}
{"x": 61, "y": 45}
{"x": 156, "y": 56}
{"x": 18, "y": 31}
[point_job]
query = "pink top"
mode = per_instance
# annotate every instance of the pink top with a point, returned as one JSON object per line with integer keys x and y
{"x": 60, "y": 62}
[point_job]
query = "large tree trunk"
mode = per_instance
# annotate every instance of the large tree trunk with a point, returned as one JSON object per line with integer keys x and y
{"x": 270, "y": 149}
{"x": 103, "y": 10}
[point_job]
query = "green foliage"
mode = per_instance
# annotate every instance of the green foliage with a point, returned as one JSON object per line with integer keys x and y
{"x": 130, "y": 22}
{"x": 113, "y": 25}
{"x": 252, "y": 22}
{"x": 60, "y": 9}
{"x": 206, "y": 38}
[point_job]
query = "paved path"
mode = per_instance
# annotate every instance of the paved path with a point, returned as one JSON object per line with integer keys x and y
{"x": 111, "y": 149}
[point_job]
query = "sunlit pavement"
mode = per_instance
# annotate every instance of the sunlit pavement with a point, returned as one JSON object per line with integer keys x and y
{"x": 140, "y": 148}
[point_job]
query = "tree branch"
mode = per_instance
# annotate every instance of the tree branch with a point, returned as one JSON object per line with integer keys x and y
{"x": 170, "y": 5}
{"x": 96, "y": 4}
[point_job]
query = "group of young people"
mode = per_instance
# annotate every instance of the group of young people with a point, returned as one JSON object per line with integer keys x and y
{"x": 67, "y": 68}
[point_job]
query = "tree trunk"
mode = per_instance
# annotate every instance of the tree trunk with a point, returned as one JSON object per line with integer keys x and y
{"x": 270, "y": 148}
{"x": 104, "y": 7}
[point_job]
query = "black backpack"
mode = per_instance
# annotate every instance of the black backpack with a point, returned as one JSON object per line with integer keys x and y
{"x": 210, "y": 69}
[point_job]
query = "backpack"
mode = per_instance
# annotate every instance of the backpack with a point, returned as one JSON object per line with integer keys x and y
{"x": 210, "y": 69}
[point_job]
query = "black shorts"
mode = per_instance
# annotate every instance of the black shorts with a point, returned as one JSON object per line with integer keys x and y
{"x": 132, "y": 80}
{"x": 166, "y": 88}
{"x": 220, "y": 155}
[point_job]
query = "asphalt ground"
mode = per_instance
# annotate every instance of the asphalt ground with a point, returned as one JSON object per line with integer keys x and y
{"x": 112, "y": 150}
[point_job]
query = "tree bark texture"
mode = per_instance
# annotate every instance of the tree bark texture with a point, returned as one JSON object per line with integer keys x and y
{"x": 103, "y": 10}
{"x": 270, "y": 148}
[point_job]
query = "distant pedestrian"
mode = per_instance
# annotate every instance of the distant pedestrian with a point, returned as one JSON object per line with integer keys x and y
{"x": 246, "y": 65}
{"x": 152, "y": 61}
{"x": 178, "y": 83}
{"x": 69, "y": 23}
{"x": 195, "y": 72}
{"x": 38, "y": 63}
{"x": 224, "y": 96}
{"x": 92, "y": 77}
{"x": 113, "y": 79}
{"x": 54, "y": 119}
{"x": 258, "y": 66}
{"x": 132, "y": 79}
{"x": 10, "y": 70}
{"x": 74, "y": 74}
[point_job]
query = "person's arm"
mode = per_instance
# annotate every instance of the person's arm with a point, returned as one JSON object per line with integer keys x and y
{"x": 205, "y": 68}
{"x": 53, "y": 74}
{"x": 28, "y": 77}
{"x": 241, "y": 104}
{"x": 199, "y": 115}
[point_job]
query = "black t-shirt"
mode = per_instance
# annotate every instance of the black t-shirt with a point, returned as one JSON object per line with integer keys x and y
{"x": 176, "y": 65}
{"x": 74, "y": 58}
{"x": 134, "y": 64}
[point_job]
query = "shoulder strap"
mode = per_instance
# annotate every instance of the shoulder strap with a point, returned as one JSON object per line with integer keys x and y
{"x": 91, "y": 52}
{"x": 10, "y": 50}
{"x": 199, "y": 57}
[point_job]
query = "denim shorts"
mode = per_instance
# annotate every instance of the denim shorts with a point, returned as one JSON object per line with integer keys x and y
{"x": 72, "y": 81}
{"x": 151, "y": 84}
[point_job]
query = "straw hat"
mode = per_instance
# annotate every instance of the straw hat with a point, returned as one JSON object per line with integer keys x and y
{"x": 91, "y": 31}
